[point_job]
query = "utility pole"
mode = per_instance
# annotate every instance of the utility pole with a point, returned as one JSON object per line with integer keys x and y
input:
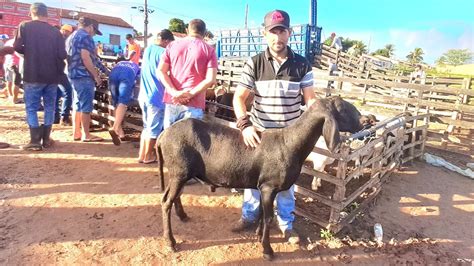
{"x": 246, "y": 15}
{"x": 146, "y": 11}
{"x": 80, "y": 8}
{"x": 313, "y": 11}
{"x": 145, "y": 28}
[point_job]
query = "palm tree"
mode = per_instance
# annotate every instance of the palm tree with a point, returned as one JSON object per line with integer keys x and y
{"x": 416, "y": 56}
{"x": 359, "y": 48}
{"x": 382, "y": 52}
{"x": 390, "y": 48}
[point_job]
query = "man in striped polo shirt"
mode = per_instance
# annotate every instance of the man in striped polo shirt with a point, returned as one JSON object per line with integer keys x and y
{"x": 279, "y": 78}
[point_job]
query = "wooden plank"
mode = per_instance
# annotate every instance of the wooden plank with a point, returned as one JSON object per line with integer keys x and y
{"x": 311, "y": 217}
{"x": 372, "y": 181}
{"x": 412, "y": 86}
{"x": 362, "y": 208}
{"x": 410, "y": 130}
{"x": 314, "y": 195}
{"x": 326, "y": 177}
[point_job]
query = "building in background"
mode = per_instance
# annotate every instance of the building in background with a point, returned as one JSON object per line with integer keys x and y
{"x": 113, "y": 29}
{"x": 13, "y": 13}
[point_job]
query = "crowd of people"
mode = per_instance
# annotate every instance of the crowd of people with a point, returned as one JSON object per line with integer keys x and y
{"x": 174, "y": 77}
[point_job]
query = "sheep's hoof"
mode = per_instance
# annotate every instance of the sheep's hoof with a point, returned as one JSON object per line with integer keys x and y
{"x": 184, "y": 218}
{"x": 171, "y": 244}
{"x": 315, "y": 186}
{"x": 268, "y": 257}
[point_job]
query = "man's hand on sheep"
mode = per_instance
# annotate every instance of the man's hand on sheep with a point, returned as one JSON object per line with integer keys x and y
{"x": 251, "y": 137}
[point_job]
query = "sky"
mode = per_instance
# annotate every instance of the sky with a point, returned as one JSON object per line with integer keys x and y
{"x": 433, "y": 25}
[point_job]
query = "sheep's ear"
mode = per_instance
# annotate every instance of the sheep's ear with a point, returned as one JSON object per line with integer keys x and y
{"x": 331, "y": 133}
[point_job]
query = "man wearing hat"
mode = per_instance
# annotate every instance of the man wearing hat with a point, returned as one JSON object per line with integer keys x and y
{"x": 63, "y": 111}
{"x": 42, "y": 47}
{"x": 278, "y": 77}
{"x": 82, "y": 62}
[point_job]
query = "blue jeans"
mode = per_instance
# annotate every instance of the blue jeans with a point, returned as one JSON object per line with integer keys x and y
{"x": 152, "y": 120}
{"x": 84, "y": 91}
{"x": 285, "y": 201}
{"x": 34, "y": 92}
{"x": 65, "y": 91}
{"x": 174, "y": 113}
{"x": 121, "y": 90}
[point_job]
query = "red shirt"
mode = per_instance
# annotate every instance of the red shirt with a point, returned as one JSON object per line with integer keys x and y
{"x": 189, "y": 60}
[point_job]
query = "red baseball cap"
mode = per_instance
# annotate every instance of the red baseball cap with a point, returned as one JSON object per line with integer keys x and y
{"x": 276, "y": 18}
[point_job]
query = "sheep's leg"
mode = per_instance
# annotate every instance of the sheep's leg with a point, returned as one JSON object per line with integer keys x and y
{"x": 268, "y": 196}
{"x": 259, "y": 231}
{"x": 178, "y": 207}
{"x": 171, "y": 193}
{"x": 316, "y": 183}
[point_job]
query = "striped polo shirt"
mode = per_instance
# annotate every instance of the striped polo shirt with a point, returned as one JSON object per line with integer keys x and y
{"x": 277, "y": 88}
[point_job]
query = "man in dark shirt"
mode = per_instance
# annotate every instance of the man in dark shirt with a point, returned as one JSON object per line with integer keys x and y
{"x": 42, "y": 47}
{"x": 63, "y": 110}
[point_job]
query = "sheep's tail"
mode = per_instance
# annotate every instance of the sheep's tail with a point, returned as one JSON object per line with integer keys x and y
{"x": 161, "y": 161}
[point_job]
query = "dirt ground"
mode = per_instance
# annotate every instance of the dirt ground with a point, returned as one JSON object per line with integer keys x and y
{"x": 92, "y": 203}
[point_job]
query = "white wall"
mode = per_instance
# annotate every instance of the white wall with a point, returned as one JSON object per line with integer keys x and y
{"x": 106, "y": 31}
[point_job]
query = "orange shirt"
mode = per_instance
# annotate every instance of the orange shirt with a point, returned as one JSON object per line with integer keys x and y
{"x": 134, "y": 47}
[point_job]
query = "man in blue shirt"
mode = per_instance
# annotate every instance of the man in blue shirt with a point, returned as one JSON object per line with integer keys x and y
{"x": 151, "y": 97}
{"x": 121, "y": 82}
{"x": 82, "y": 62}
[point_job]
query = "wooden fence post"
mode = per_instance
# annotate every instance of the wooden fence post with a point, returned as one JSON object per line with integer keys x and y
{"x": 340, "y": 192}
{"x": 366, "y": 87}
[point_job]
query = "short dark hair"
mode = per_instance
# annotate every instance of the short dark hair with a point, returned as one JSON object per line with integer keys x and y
{"x": 166, "y": 35}
{"x": 198, "y": 26}
{"x": 39, "y": 9}
{"x": 129, "y": 36}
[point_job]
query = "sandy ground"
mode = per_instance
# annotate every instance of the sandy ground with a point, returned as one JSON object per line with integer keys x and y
{"x": 91, "y": 203}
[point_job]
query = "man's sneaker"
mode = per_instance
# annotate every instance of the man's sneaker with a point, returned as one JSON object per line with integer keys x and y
{"x": 243, "y": 226}
{"x": 292, "y": 237}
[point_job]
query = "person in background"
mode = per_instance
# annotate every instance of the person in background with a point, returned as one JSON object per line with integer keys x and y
{"x": 133, "y": 50}
{"x": 121, "y": 83}
{"x": 63, "y": 111}
{"x": 151, "y": 97}
{"x": 418, "y": 75}
{"x": 41, "y": 45}
{"x": 11, "y": 67}
{"x": 100, "y": 48}
{"x": 187, "y": 68}
{"x": 279, "y": 78}
{"x": 82, "y": 62}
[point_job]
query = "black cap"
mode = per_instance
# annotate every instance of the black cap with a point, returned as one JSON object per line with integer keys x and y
{"x": 276, "y": 18}
{"x": 84, "y": 22}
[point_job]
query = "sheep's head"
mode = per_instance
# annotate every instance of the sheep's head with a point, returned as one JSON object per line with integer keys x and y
{"x": 367, "y": 121}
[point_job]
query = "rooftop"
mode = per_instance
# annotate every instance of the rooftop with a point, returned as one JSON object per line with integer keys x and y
{"x": 114, "y": 21}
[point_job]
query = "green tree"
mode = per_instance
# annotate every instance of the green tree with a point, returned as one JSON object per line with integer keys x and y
{"x": 359, "y": 48}
{"x": 416, "y": 56}
{"x": 347, "y": 43}
{"x": 177, "y": 25}
{"x": 387, "y": 51}
{"x": 455, "y": 57}
{"x": 390, "y": 48}
{"x": 382, "y": 52}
